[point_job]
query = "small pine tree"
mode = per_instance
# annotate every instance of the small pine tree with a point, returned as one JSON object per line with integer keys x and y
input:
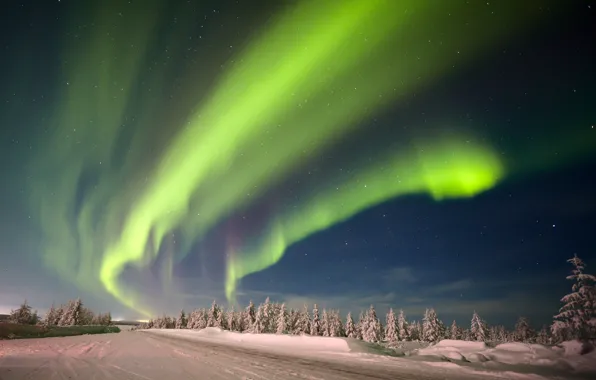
{"x": 22, "y": 315}
{"x": 478, "y": 329}
{"x": 543, "y": 336}
{"x": 268, "y": 317}
{"x": 305, "y": 320}
{"x": 336, "y": 327}
{"x": 391, "y": 328}
{"x": 213, "y": 315}
{"x": 374, "y": 329}
{"x": 315, "y": 325}
{"x": 402, "y": 326}
{"x": 259, "y": 325}
{"x": 86, "y": 317}
{"x": 325, "y": 323}
{"x": 181, "y": 321}
{"x": 249, "y": 316}
{"x": 240, "y": 318}
{"x": 414, "y": 331}
{"x": 66, "y": 315}
{"x": 231, "y": 320}
{"x": 577, "y": 317}
{"x": 222, "y": 321}
{"x": 502, "y": 335}
{"x": 523, "y": 332}
{"x": 51, "y": 318}
{"x": 432, "y": 330}
{"x": 107, "y": 319}
{"x": 282, "y": 320}
{"x": 350, "y": 327}
{"x": 455, "y": 332}
{"x": 362, "y": 325}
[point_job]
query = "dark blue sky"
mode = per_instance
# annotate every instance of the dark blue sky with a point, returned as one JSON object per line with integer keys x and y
{"x": 501, "y": 253}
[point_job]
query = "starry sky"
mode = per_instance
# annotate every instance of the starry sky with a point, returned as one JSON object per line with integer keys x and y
{"x": 159, "y": 155}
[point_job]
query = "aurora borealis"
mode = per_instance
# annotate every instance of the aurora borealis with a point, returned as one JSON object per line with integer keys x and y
{"x": 205, "y": 144}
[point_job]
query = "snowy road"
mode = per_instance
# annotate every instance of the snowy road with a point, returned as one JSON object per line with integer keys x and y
{"x": 142, "y": 355}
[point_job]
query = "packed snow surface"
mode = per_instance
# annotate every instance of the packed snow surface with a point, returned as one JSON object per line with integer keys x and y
{"x": 157, "y": 355}
{"x": 215, "y": 354}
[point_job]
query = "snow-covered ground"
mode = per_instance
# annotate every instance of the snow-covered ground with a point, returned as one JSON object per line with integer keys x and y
{"x": 215, "y": 354}
{"x": 565, "y": 360}
{"x": 509, "y": 360}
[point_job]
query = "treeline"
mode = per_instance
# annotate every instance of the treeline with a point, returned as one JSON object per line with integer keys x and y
{"x": 274, "y": 318}
{"x": 71, "y": 314}
{"x": 575, "y": 320}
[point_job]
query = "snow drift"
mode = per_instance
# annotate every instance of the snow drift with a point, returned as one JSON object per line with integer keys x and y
{"x": 566, "y": 357}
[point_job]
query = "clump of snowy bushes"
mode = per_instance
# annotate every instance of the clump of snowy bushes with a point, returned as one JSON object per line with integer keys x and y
{"x": 71, "y": 314}
{"x": 67, "y": 320}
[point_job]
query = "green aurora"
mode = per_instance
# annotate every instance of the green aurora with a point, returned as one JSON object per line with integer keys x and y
{"x": 297, "y": 87}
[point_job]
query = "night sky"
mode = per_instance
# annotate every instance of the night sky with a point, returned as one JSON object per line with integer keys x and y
{"x": 158, "y": 155}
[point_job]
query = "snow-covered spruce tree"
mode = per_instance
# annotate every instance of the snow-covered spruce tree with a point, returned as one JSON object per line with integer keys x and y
{"x": 51, "y": 317}
{"x": 202, "y": 318}
{"x": 292, "y": 322}
{"x": 87, "y": 316}
{"x": 212, "y": 315}
{"x": 68, "y": 314}
{"x": 181, "y": 321}
{"x": 492, "y": 334}
{"x": 282, "y": 320}
{"x": 402, "y": 326}
{"x": 268, "y": 317}
{"x": 59, "y": 313}
{"x": 501, "y": 336}
{"x": 374, "y": 329}
{"x": 36, "y": 319}
{"x": 432, "y": 328}
{"x": 239, "y": 318}
{"x": 577, "y": 317}
{"x": 350, "y": 326}
{"x": 77, "y": 311}
{"x": 106, "y": 319}
{"x": 303, "y": 322}
{"x": 315, "y": 324}
{"x": 466, "y": 335}
{"x": 258, "y": 326}
{"x": 222, "y": 321}
{"x": 325, "y": 323}
{"x": 414, "y": 330}
{"x": 523, "y": 331}
{"x": 362, "y": 324}
{"x": 543, "y": 336}
{"x": 23, "y": 315}
{"x": 391, "y": 330}
{"x": 96, "y": 321}
{"x": 454, "y": 331}
{"x": 231, "y": 319}
{"x": 478, "y": 329}
{"x": 191, "y": 321}
{"x": 164, "y": 322}
{"x": 337, "y": 327}
{"x": 249, "y": 316}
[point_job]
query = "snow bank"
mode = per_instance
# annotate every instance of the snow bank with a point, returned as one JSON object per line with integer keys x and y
{"x": 302, "y": 343}
{"x": 567, "y": 358}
